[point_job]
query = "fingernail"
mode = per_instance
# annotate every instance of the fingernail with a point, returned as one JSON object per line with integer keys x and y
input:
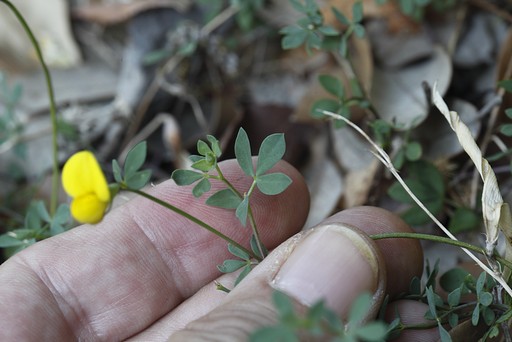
{"x": 334, "y": 263}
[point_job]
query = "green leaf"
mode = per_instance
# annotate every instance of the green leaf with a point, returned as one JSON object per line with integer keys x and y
{"x": 292, "y": 41}
{"x": 332, "y": 85}
{"x": 201, "y": 187}
{"x": 454, "y": 297}
{"x": 203, "y": 165}
{"x": 283, "y": 304}
{"x": 357, "y": 12}
{"x": 475, "y": 316}
{"x": 343, "y": 48}
{"x": 186, "y": 177}
{"x": 453, "y": 319}
{"x": 135, "y": 159}
{"x": 203, "y": 148}
{"x": 255, "y": 249}
{"x": 313, "y": 40}
{"x": 243, "y": 152}
{"x": 271, "y": 151}
{"x": 273, "y": 183}
{"x": 508, "y": 113}
{"x": 231, "y": 265}
{"x": 298, "y": 6}
{"x": 340, "y": 16}
{"x": 506, "y": 129}
{"x": 238, "y": 252}
{"x": 431, "y": 301}
{"x": 463, "y": 220}
{"x": 291, "y": 30}
{"x": 415, "y": 286}
{"x": 138, "y": 180}
{"x": 40, "y": 208}
{"x": 32, "y": 219}
{"x": 7, "y": 241}
{"x": 373, "y": 331}
{"x": 247, "y": 269}
{"x": 116, "y": 169}
{"x": 215, "y": 146}
{"x": 225, "y": 198}
{"x": 415, "y": 216}
{"x": 328, "y": 30}
{"x": 359, "y": 308}
{"x": 488, "y": 315}
{"x": 445, "y": 336}
{"x": 480, "y": 283}
{"x": 241, "y": 211}
{"x": 359, "y": 30}
{"x": 61, "y": 217}
{"x": 506, "y": 84}
{"x": 453, "y": 279}
{"x": 485, "y": 298}
{"x": 413, "y": 151}
{"x": 274, "y": 333}
{"x": 328, "y": 105}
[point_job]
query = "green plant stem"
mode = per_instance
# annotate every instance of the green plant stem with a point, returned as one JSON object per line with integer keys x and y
{"x": 53, "y": 112}
{"x": 252, "y": 220}
{"x": 193, "y": 219}
{"x": 439, "y": 239}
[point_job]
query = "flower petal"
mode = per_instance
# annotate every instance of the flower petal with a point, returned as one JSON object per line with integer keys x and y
{"x": 88, "y": 209}
{"x": 82, "y": 175}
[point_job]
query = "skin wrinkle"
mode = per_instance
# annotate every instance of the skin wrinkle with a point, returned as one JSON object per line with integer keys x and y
{"x": 170, "y": 256}
{"x": 54, "y": 295}
{"x": 80, "y": 319}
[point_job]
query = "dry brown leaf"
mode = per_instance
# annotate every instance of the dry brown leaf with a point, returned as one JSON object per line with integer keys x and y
{"x": 398, "y": 95}
{"x": 114, "y": 12}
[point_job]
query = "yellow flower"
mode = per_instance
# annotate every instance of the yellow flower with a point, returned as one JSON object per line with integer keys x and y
{"x": 84, "y": 181}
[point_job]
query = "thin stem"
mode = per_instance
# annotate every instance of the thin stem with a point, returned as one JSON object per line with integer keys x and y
{"x": 250, "y": 214}
{"x": 253, "y": 224}
{"x": 53, "y": 112}
{"x": 440, "y": 239}
{"x": 193, "y": 219}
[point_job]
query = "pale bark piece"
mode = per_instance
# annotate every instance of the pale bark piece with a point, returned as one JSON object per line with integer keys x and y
{"x": 50, "y": 24}
{"x": 325, "y": 182}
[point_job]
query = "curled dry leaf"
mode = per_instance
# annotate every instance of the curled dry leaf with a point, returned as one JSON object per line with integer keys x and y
{"x": 444, "y": 143}
{"x": 496, "y": 213}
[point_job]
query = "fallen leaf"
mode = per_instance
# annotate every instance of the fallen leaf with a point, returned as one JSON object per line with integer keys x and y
{"x": 398, "y": 95}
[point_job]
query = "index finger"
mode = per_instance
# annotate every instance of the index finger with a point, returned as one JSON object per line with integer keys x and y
{"x": 110, "y": 281}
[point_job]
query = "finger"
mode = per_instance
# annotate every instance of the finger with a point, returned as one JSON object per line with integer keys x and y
{"x": 412, "y": 313}
{"x": 403, "y": 257}
{"x": 110, "y": 281}
{"x": 334, "y": 262}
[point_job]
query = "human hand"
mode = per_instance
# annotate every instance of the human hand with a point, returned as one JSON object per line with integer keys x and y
{"x": 145, "y": 273}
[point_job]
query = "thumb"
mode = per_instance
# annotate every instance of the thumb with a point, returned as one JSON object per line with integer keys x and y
{"x": 333, "y": 262}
